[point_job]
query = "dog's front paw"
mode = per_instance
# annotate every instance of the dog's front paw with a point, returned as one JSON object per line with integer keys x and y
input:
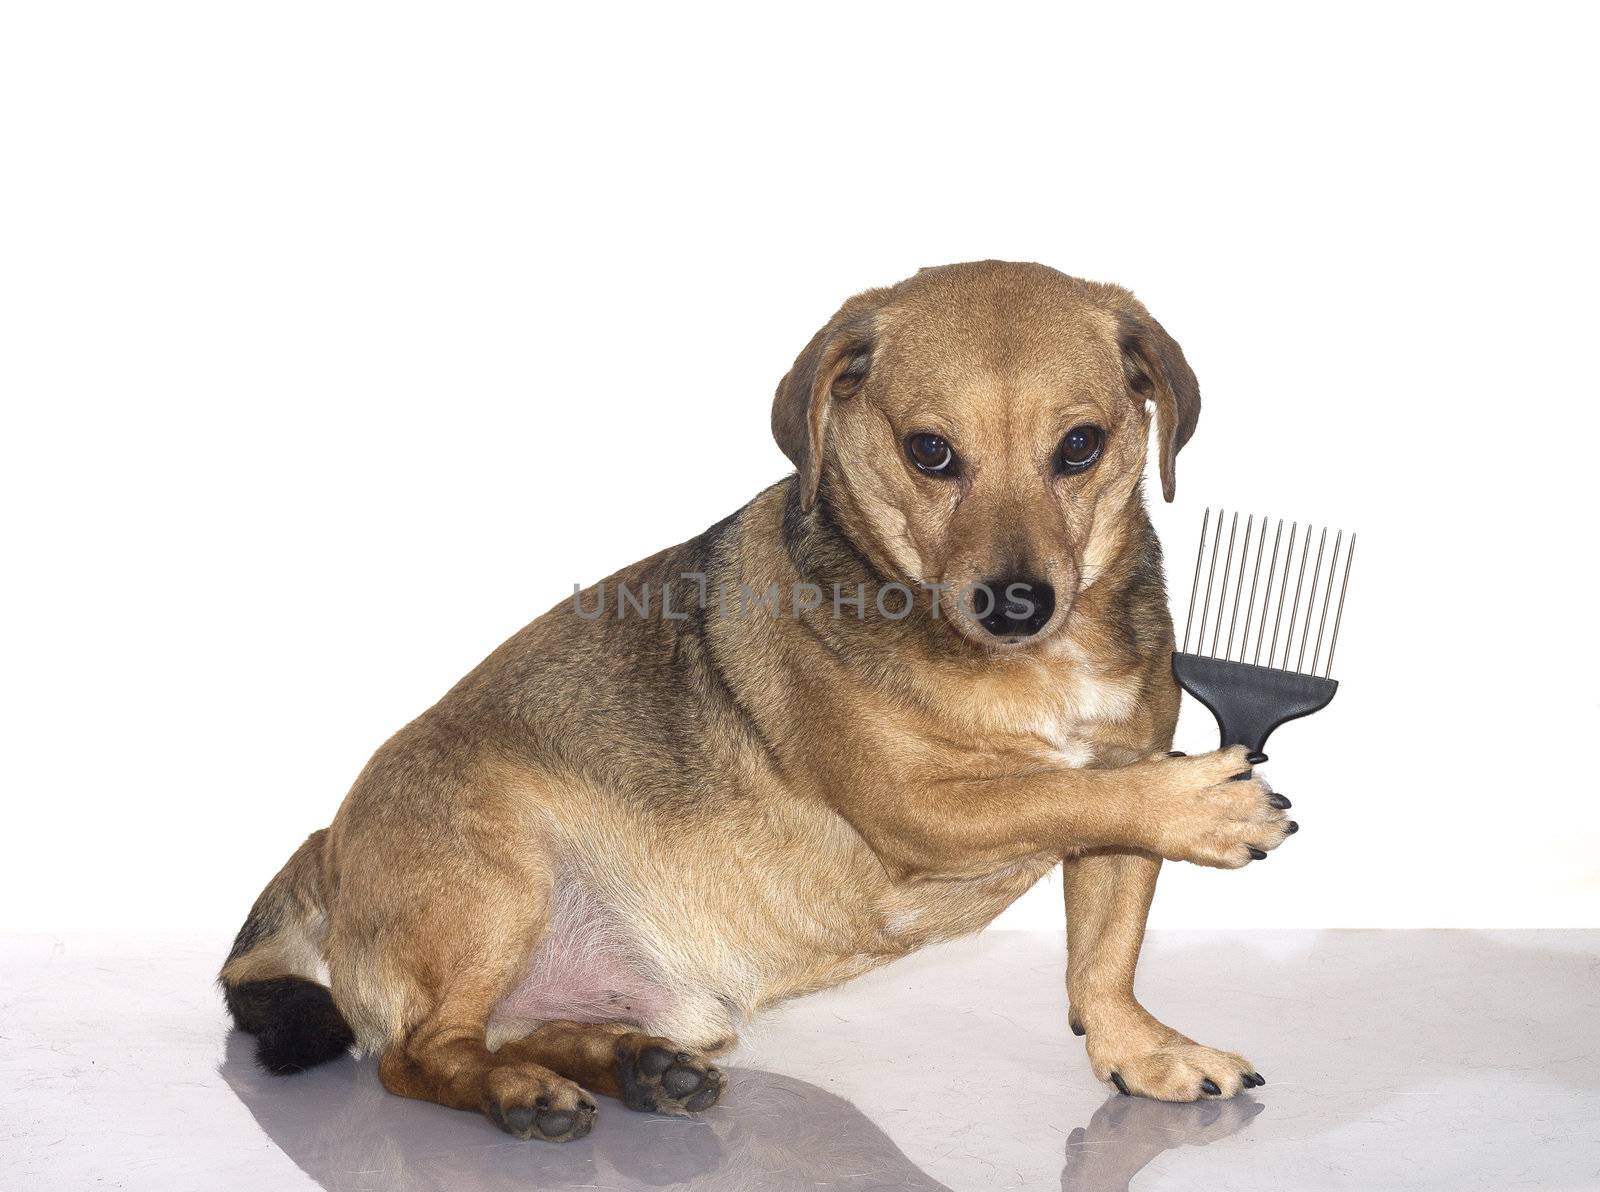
{"x": 657, "y": 1077}
{"x": 1140, "y": 1057}
{"x": 1212, "y": 810}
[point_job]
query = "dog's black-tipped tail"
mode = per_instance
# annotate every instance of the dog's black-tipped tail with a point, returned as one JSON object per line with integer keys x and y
{"x": 294, "y": 1020}
{"x": 269, "y": 981}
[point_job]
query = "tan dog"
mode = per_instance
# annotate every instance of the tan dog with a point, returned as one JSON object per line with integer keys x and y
{"x": 863, "y": 714}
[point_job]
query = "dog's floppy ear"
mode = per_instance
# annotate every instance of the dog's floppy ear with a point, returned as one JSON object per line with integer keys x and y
{"x": 1158, "y": 373}
{"x": 832, "y": 367}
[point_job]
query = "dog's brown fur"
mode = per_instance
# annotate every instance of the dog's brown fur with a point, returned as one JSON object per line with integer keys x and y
{"x": 624, "y": 829}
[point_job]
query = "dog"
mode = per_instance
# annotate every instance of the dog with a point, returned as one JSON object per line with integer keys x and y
{"x": 861, "y": 715}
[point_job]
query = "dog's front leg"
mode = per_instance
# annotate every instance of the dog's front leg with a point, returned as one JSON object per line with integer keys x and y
{"x": 978, "y": 818}
{"x": 1108, "y": 898}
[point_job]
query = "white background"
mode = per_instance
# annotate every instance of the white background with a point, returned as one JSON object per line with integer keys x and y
{"x": 339, "y": 341}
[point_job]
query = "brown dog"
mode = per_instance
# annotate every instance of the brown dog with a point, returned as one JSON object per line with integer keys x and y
{"x": 863, "y": 714}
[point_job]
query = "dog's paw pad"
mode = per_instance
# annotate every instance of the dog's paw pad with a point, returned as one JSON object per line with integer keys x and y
{"x": 538, "y": 1109}
{"x": 653, "y": 1061}
{"x": 657, "y": 1077}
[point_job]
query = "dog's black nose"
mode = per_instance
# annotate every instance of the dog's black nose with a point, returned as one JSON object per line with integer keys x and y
{"x": 1015, "y": 606}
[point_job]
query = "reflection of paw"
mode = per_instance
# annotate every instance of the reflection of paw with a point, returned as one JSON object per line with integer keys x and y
{"x": 1154, "y": 1125}
{"x": 528, "y": 1101}
{"x": 1139, "y": 1056}
{"x": 1126, "y": 1133}
{"x": 657, "y": 1077}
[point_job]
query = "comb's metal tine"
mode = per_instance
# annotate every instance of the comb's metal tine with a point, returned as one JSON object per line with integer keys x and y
{"x": 1194, "y": 589}
{"x": 1250, "y": 605}
{"x": 1349, "y": 556}
{"x": 1222, "y": 596}
{"x": 1311, "y": 603}
{"x": 1288, "y": 562}
{"x": 1266, "y": 598}
{"x": 1244, "y": 559}
{"x": 1211, "y": 574}
{"x": 1327, "y": 599}
{"x": 1294, "y": 607}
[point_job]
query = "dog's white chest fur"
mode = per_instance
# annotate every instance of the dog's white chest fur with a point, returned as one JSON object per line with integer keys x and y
{"x": 1072, "y": 717}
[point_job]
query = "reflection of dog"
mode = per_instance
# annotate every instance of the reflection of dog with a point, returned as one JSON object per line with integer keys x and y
{"x": 635, "y": 827}
{"x": 780, "y": 1132}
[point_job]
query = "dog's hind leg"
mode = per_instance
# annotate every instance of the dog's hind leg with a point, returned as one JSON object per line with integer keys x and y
{"x": 446, "y": 1061}
{"x": 423, "y": 952}
{"x": 444, "y": 1057}
{"x": 642, "y": 1071}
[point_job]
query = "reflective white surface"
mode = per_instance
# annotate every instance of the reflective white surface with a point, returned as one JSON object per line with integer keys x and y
{"x": 1395, "y": 1060}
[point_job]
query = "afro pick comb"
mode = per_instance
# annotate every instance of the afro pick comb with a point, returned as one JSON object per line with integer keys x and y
{"x": 1251, "y": 698}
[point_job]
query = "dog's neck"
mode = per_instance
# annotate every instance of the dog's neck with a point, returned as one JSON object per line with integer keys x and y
{"x": 822, "y": 550}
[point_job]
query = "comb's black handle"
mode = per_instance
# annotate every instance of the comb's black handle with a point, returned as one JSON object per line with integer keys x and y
{"x": 1250, "y": 701}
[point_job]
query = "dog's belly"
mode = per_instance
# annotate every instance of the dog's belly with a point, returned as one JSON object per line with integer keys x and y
{"x": 591, "y": 966}
{"x": 571, "y": 979}
{"x": 585, "y": 968}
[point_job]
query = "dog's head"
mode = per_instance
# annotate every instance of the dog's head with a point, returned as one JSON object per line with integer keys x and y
{"x": 983, "y": 427}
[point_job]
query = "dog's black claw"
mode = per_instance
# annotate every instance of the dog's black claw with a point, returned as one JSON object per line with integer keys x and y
{"x": 1281, "y": 802}
{"x": 1116, "y": 1079}
{"x": 1293, "y": 827}
{"x": 1240, "y": 777}
{"x": 1256, "y": 759}
{"x": 1260, "y": 1079}
{"x": 1076, "y": 1029}
{"x": 1249, "y": 1080}
{"x": 1210, "y": 1086}
{"x": 1256, "y": 854}
{"x": 1177, "y": 753}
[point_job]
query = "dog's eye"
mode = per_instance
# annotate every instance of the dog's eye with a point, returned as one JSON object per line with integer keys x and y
{"x": 1081, "y": 447}
{"x": 931, "y": 454}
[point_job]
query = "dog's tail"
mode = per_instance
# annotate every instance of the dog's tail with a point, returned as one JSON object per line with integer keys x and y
{"x": 270, "y": 979}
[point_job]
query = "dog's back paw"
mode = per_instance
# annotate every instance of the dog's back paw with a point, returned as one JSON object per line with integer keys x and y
{"x": 659, "y": 1077}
